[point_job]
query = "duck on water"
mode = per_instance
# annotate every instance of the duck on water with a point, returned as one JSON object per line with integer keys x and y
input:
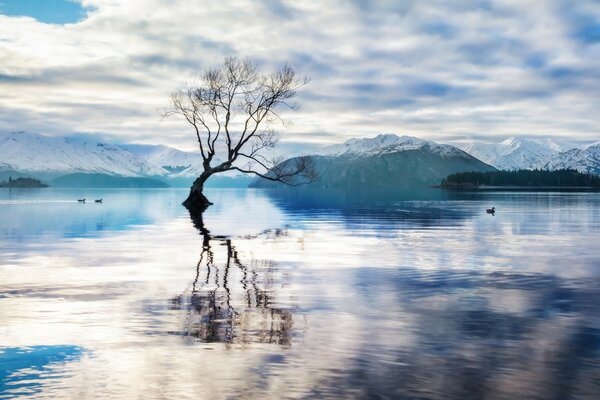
{"x": 491, "y": 210}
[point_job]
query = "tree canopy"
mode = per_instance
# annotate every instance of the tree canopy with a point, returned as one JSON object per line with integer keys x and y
{"x": 233, "y": 110}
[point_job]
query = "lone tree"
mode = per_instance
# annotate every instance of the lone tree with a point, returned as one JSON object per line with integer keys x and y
{"x": 232, "y": 110}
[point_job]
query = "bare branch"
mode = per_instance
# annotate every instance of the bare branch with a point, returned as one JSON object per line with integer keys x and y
{"x": 294, "y": 172}
{"x": 232, "y": 109}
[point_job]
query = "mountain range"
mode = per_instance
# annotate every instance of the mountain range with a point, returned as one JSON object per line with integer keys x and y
{"x": 48, "y": 158}
{"x": 54, "y": 156}
{"x": 534, "y": 153}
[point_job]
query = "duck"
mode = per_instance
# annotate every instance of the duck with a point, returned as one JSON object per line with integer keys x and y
{"x": 98, "y": 201}
{"x": 491, "y": 210}
{"x": 81, "y": 200}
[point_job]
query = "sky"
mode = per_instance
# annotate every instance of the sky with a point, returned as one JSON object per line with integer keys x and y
{"x": 450, "y": 71}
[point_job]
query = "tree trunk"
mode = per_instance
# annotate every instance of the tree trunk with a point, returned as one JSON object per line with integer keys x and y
{"x": 197, "y": 201}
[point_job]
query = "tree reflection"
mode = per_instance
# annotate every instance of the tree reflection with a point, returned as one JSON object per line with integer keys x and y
{"x": 221, "y": 308}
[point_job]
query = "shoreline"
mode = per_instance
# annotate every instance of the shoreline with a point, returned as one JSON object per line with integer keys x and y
{"x": 520, "y": 188}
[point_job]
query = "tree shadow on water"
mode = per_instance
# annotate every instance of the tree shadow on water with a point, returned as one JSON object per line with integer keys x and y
{"x": 232, "y": 300}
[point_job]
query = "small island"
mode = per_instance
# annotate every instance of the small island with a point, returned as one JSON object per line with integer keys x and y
{"x": 22, "y": 183}
{"x": 522, "y": 179}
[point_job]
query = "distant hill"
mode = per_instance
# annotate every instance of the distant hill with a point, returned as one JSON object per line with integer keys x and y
{"x": 105, "y": 181}
{"x": 563, "y": 178}
{"x": 22, "y": 183}
{"x": 386, "y": 162}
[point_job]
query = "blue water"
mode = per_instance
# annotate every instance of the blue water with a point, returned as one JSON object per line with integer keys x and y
{"x": 410, "y": 295}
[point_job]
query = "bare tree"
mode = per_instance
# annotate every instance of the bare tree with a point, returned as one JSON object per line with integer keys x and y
{"x": 232, "y": 110}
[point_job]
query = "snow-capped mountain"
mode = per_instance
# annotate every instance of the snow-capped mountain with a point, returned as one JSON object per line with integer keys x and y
{"x": 517, "y": 153}
{"x": 171, "y": 160}
{"x": 511, "y": 154}
{"x": 533, "y": 153}
{"x": 53, "y": 156}
{"x": 50, "y": 157}
{"x": 386, "y": 162}
{"x": 389, "y": 143}
{"x": 586, "y": 159}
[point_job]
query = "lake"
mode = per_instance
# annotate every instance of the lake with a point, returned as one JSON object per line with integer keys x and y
{"x": 283, "y": 296}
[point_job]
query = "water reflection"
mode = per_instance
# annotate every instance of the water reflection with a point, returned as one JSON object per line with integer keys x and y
{"x": 24, "y": 370}
{"x": 262, "y": 298}
{"x": 53, "y": 212}
{"x": 389, "y": 210}
{"x": 473, "y": 335}
{"x": 219, "y": 310}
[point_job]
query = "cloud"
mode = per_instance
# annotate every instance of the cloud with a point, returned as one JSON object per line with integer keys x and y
{"x": 439, "y": 70}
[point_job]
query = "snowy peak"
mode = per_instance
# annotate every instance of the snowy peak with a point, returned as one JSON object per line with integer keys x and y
{"x": 171, "y": 160}
{"x": 535, "y": 153}
{"x": 517, "y": 153}
{"x": 388, "y": 143}
{"x": 595, "y": 145}
{"x": 57, "y": 155}
{"x": 510, "y": 154}
{"x": 31, "y": 152}
{"x": 586, "y": 159}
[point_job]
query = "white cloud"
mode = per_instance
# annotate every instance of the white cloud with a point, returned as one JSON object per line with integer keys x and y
{"x": 437, "y": 69}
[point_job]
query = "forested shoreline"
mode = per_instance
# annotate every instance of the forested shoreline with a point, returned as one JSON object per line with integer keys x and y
{"x": 564, "y": 178}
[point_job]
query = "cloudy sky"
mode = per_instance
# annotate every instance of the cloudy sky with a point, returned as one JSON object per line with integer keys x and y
{"x": 442, "y": 70}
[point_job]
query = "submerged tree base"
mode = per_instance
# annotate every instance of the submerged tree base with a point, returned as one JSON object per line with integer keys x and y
{"x": 196, "y": 202}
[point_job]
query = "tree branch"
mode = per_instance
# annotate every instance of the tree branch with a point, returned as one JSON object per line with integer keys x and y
{"x": 232, "y": 109}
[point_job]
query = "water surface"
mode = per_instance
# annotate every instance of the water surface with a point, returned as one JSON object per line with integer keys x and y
{"x": 277, "y": 296}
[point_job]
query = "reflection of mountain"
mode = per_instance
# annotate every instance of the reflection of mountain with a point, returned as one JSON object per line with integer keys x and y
{"x": 218, "y": 309}
{"x": 414, "y": 207}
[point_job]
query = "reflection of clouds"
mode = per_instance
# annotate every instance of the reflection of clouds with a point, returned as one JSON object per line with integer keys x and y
{"x": 478, "y": 309}
{"x": 462, "y": 348}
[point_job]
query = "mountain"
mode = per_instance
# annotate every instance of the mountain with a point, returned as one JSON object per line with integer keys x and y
{"x": 170, "y": 160}
{"x": 517, "y": 153}
{"x": 55, "y": 156}
{"x": 585, "y": 159}
{"x": 386, "y": 162}
{"x": 388, "y": 143}
{"x": 47, "y": 158}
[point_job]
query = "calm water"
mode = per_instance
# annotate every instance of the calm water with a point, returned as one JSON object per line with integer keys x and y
{"x": 283, "y": 297}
